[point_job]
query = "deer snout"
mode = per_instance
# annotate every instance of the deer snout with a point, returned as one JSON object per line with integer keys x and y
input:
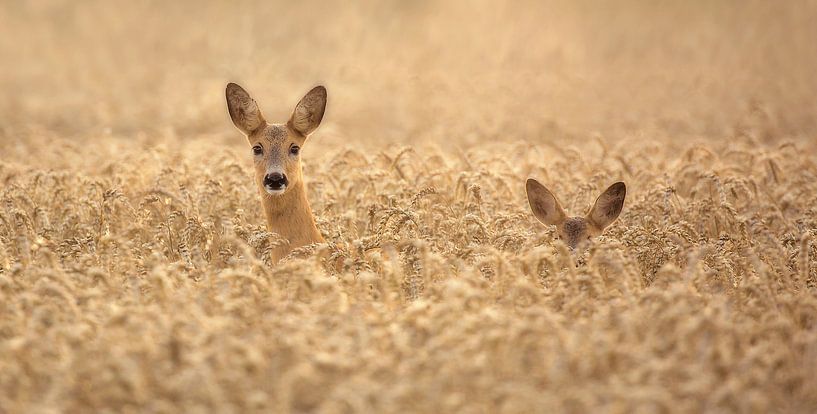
{"x": 275, "y": 182}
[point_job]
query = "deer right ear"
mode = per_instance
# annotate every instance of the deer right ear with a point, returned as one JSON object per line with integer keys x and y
{"x": 608, "y": 206}
{"x": 309, "y": 111}
{"x": 243, "y": 110}
{"x": 544, "y": 204}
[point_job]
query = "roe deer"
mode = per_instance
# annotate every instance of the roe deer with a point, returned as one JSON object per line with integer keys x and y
{"x": 276, "y": 152}
{"x": 574, "y": 230}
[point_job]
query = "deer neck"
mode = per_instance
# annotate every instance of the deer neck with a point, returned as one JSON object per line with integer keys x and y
{"x": 290, "y": 216}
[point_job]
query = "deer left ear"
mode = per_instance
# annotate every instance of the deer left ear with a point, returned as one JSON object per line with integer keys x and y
{"x": 543, "y": 204}
{"x": 608, "y": 206}
{"x": 243, "y": 110}
{"x": 309, "y": 111}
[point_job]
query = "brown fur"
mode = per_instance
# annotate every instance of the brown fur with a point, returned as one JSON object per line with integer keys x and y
{"x": 575, "y": 230}
{"x": 288, "y": 214}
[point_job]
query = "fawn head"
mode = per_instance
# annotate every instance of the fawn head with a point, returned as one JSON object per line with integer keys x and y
{"x": 276, "y": 148}
{"x": 575, "y": 230}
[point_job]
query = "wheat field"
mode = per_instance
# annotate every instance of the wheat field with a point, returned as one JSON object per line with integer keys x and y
{"x": 134, "y": 258}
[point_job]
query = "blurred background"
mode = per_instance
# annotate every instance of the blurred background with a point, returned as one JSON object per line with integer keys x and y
{"x": 448, "y": 73}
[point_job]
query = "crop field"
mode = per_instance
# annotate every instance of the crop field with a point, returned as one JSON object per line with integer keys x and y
{"x": 135, "y": 270}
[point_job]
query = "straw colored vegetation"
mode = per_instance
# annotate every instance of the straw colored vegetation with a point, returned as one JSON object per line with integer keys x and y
{"x": 134, "y": 269}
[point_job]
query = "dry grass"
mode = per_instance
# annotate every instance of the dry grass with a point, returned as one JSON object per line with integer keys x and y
{"x": 133, "y": 253}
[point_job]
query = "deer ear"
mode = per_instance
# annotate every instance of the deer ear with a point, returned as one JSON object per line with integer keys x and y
{"x": 544, "y": 204}
{"x": 608, "y": 206}
{"x": 243, "y": 109}
{"x": 309, "y": 111}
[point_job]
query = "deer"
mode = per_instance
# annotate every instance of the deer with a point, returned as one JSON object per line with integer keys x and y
{"x": 276, "y": 154}
{"x": 575, "y": 230}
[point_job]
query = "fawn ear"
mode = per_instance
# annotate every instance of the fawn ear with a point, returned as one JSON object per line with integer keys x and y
{"x": 544, "y": 204}
{"x": 243, "y": 109}
{"x": 608, "y": 206}
{"x": 309, "y": 111}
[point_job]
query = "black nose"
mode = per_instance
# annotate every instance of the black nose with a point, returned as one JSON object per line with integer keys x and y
{"x": 275, "y": 180}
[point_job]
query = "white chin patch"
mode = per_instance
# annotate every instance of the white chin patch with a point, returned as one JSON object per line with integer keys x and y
{"x": 275, "y": 192}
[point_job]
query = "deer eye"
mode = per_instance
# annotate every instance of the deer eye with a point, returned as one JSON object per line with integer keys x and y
{"x": 257, "y": 150}
{"x": 294, "y": 150}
